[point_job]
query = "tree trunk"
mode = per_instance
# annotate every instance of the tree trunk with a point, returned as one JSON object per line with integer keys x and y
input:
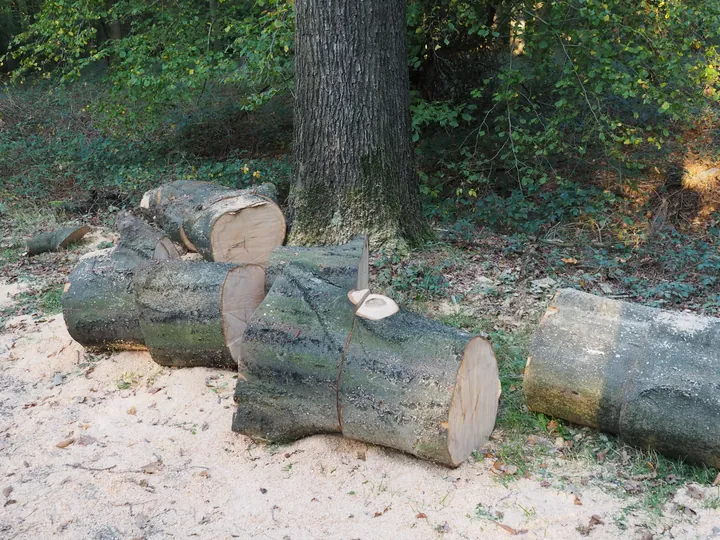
{"x": 194, "y": 313}
{"x": 344, "y": 266}
{"x": 222, "y": 224}
{"x": 311, "y": 366}
{"x": 650, "y": 376}
{"x": 145, "y": 240}
{"x": 353, "y": 161}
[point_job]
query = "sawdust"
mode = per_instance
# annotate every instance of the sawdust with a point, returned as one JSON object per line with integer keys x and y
{"x": 151, "y": 455}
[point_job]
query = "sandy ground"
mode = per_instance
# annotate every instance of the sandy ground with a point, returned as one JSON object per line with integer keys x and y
{"x": 148, "y": 453}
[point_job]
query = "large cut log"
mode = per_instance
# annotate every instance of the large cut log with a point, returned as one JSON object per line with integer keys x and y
{"x": 194, "y": 313}
{"x": 55, "y": 240}
{"x": 310, "y": 366}
{"x": 222, "y": 224}
{"x": 648, "y": 375}
{"x": 345, "y": 266}
{"x": 98, "y": 301}
{"x": 145, "y": 240}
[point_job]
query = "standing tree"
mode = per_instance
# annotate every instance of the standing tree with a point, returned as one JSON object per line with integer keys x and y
{"x": 354, "y": 169}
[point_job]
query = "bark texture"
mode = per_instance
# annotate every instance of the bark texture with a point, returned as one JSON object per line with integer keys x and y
{"x": 222, "y": 224}
{"x": 98, "y": 303}
{"x": 344, "y": 266}
{"x": 353, "y": 160}
{"x": 143, "y": 239}
{"x": 184, "y": 314}
{"x": 393, "y": 385}
{"x": 648, "y": 375}
{"x": 55, "y": 240}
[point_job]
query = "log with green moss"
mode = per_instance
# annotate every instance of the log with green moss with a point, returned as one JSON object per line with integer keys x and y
{"x": 55, "y": 240}
{"x": 194, "y": 313}
{"x": 222, "y": 224}
{"x": 310, "y": 366}
{"x": 345, "y": 266}
{"x": 648, "y": 375}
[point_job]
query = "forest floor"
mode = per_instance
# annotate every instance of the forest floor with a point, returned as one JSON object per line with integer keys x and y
{"x": 114, "y": 446}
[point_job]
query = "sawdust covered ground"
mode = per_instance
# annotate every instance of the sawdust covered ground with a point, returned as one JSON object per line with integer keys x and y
{"x": 115, "y": 447}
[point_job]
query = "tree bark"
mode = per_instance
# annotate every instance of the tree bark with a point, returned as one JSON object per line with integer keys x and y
{"x": 194, "y": 313}
{"x": 55, "y": 240}
{"x": 344, "y": 266}
{"x": 650, "y": 376}
{"x": 310, "y": 366}
{"x": 222, "y": 224}
{"x": 145, "y": 240}
{"x": 353, "y": 160}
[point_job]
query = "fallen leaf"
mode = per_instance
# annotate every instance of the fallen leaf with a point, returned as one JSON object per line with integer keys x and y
{"x": 65, "y": 443}
{"x": 716, "y": 482}
{"x": 545, "y": 484}
{"x": 86, "y": 440}
{"x": 552, "y": 426}
{"x": 154, "y": 390}
{"x": 204, "y": 474}
{"x": 509, "y": 529}
{"x": 132, "y": 410}
{"x": 7, "y": 491}
{"x": 632, "y": 487}
{"x": 263, "y": 491}
{"x": 28, "y": 405}
{"x": 88, "y": 371}
{"x": 361, "y": 455}
{"x": 601, "y": 456}
{"x": 577, "y": 501}
{"x": 152, "y": 468}
{"x": 511, "y": 469}
{"x": 421, "y": 516}
{"x": 695, "y": 493}
{"x": 387, "y": 508}
{"x": 9, "y": 502}
{"x": 570, "y": 260}
{"x": 596, "y": 520}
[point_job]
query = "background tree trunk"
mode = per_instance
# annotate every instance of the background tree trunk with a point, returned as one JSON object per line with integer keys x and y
{"x": 354, "y": 171}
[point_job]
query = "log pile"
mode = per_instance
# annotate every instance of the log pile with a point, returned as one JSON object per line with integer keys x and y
{"x": 316, "y": 351}
{"x": 648, "y": 375}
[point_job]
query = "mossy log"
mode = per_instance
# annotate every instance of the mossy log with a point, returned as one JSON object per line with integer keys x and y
{"x": 310, "y": 366}
{"x": 55, "y": 240}
{"x": 145, "y": 240}
{"x": 98, "y": 303}
{"x": 222, "y": 224}
{"x": 194, "y": 313}
{"x": 344, "y": 266}
{"x": 648, "y": 375}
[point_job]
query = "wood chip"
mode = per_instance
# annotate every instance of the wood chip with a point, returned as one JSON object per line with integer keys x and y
{"x": 577, "y": 501}
{"x": 421, "y": 516}
{"x": 65, "y": 443}
{"x": 132, "y": 410}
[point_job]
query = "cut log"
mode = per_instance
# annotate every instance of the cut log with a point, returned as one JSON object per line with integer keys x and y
{"x": 344, "y": 266}
{"x": 194, "y": 313}
{"x": 648, "y": 375}
{"x": 98, "y": 303}
{"x": 310, "y": 366}
{"x": 143, "y": 239}
{"x": 56, "y": 240}
{"x": 222, "y": 224}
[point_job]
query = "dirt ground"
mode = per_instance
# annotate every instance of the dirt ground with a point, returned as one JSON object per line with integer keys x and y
{"x": 116, "y": 447}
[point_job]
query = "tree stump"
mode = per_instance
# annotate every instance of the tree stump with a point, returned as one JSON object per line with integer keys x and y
{"x": 55, "y": 240}
{"x": 648, "y": 375}
{"x": 194, "y": 313}
{"x": 345, "y": 266}
{"x": 222, "y": 224}
{"x": 310, "y": 366}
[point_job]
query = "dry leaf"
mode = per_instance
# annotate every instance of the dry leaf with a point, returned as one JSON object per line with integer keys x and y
{"x": 86, "y": 440}
{"x": 154, "y": 390}
{"x": 596, "y": 520}
{"x": 511, "y": 469}
{"x": 695, "y": 493}
{"x": 577, "y": 501}
{"x": 132, "y": 410}
{"x": 65, "y": 443}
{"x": 552, "y": 426}
{"x": 601, "y": 456}
{"x": 716, "y": 482}
{"x": 7, "y": 491}
{"x": 152, "y": 468}
{"x": 421, "y": 516}
{"x": 510, "y": 529}
{"x": 632, "y": 487}
{"x": 545, "y": 484}
{"x": 570, "y": 260}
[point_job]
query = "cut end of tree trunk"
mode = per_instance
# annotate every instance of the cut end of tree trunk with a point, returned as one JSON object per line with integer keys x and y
{"x": 165, "y": 250}
{"x": 243, "y": 291}
{"x": 56, "y": 240}
{"x": 475, "y": 401}
{"x": 248, "y": 235}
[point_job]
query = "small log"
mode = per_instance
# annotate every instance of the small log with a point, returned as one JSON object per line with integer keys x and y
{"x": 145, "y": 240}
{"x": 648, "y": 375}
{"x": 222, "y": 224}
{"x": 194, "y": 313}
{"x": 56, "y": 240}
{"x": 310, "y": 366}
{"x": 345, "y": 266}
{"x": 98, "y": 303}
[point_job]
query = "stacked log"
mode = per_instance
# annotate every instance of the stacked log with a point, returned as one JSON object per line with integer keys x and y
{"x": 222, "y": 224}
{"x": 194, "y": 313}
{"x": 648, "y": 375}
{"x": 98, "y": 302}
{"x": 310, "y": 366}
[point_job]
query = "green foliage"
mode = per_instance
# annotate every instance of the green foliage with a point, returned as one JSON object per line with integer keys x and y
{"x": 409, "y": 279}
